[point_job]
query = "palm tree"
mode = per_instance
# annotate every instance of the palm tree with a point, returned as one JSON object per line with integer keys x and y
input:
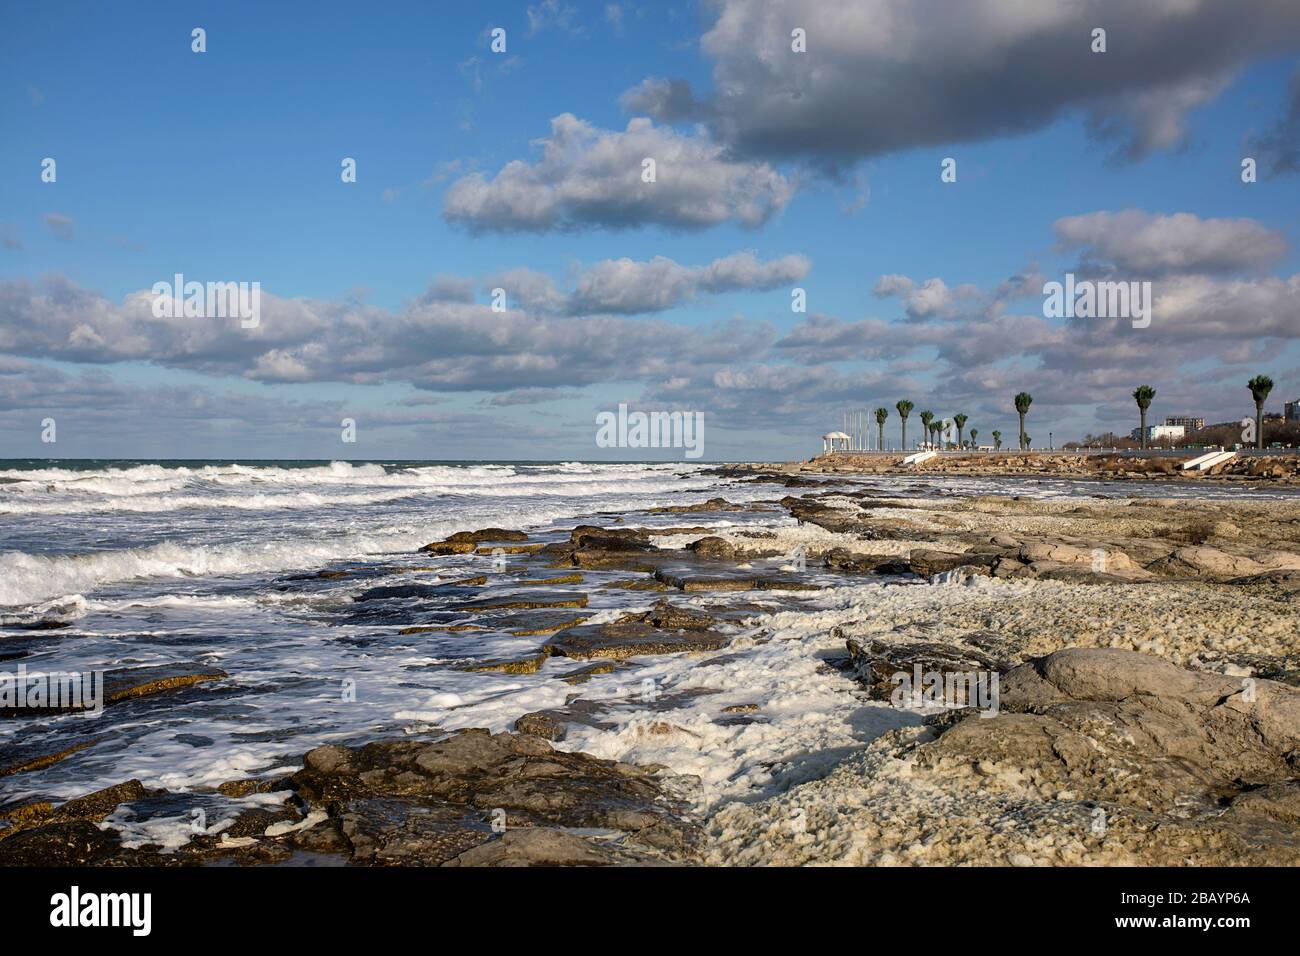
{"x": 881, "y": 415}
{"x": 926, "y": 418}
{"x": 1143, "y": 396}
{"x": 974, "y": 437}
{"x": 960, "y": 422}
{"x": 936, "y": 432}
{"x": 904, "y": 409}
{"x": 997, "y": 440}
{"x": 1259, "y": 387}
{"x": 1023, "y": 401}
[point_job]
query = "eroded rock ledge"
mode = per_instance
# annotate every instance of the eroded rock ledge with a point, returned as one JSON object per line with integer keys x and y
{"x": 1097, "y": 756}
{"x": 471, "y": 799}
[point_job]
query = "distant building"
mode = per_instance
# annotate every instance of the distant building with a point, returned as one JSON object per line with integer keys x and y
{"x": 1158, "y": 432}
{"x": 1188, "y": 423}
{"x": 1293, "y": 410}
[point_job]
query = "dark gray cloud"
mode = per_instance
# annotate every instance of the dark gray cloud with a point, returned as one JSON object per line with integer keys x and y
{"x": 890, "y": 75}
{"x": 1279, "y": 146}
{"x": 669, "y": 101}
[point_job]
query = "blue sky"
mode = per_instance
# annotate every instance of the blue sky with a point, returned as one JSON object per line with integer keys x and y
{"x": 224, "y": 165}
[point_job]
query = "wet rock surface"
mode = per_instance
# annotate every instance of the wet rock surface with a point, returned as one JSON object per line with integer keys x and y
{"x": 467, "y": 800}
{"x": 122, "y": 685}
{"x": 630, "y": 640}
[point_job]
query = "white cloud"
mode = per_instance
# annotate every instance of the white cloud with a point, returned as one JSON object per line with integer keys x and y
{"x": 1140, "y": 243}
{"x": 592, "y": 177}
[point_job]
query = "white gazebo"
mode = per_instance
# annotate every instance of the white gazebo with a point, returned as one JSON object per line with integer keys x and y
{"x": 835, "y": 441}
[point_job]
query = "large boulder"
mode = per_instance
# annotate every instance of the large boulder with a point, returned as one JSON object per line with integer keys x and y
{"x": 1113, "y": 725}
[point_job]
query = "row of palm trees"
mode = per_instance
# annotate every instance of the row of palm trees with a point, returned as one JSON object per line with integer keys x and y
{"x": 933, "y": 427}
{"x": 1259, "y": 386}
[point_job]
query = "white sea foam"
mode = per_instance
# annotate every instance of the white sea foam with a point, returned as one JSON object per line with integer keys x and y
{"x": 115, "y": 523}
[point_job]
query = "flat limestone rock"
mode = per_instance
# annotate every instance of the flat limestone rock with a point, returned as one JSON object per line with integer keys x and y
{"x": 515, "y": 665}
{"x": 487, "y": 534}
{"x": 446, "y": 628}
{"x": 540, "y": 599}
{"x": 544, "y": 621}
{"x": 410, "y": 802}
{"x": 26, "y": 757}
{"x": 635, "y": 584}
{"x": 129, "y": 683}
{"x": 729, "y": 579}
{"x": 713, "y": 504}
{"x": 581, "y": 675}
{"x": 527, "y": 622}
{"x": 575, "y": 578}
{"x": 591, "y": 641}
{"x": 449, "y": 547}
{"x": 136, "y": 682}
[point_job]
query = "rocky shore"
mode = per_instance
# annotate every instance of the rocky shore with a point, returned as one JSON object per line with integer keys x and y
{"x": 1279, "y": 469}
{"x": 1146, "y": 654}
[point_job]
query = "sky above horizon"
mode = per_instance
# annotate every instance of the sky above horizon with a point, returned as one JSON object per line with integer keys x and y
{"x": 776, "y": 169}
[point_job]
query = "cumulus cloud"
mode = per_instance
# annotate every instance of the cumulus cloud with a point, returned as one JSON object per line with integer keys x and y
{"x": 627, "y": 286}
{"x": 932, "y": 298}
{"x": 890, "y": 75}
{"x": 1141, "y": 243}
{"x": 633, "y": 287}
{"x": 592, "y": 177}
